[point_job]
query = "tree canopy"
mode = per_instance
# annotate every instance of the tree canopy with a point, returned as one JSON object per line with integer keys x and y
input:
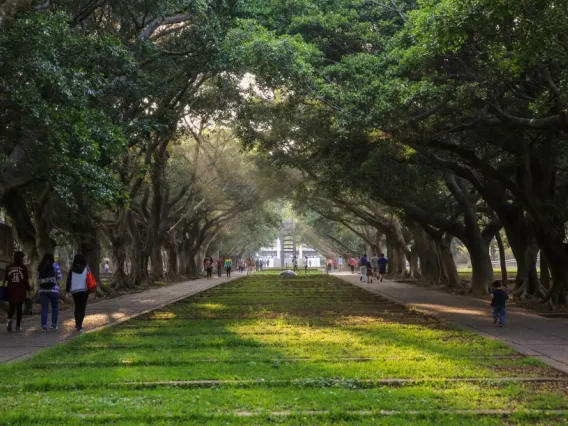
{"x": 397, "y": 123}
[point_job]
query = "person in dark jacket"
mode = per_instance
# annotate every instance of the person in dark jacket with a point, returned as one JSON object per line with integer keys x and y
{"x": 498, "y": 302}
{"x": 49, "y": 276}
{"x": 77, "y": 287}
{"x": 18, "y": 288}
{"x": 219, "y": 267}
{"x": 382, "y": 263}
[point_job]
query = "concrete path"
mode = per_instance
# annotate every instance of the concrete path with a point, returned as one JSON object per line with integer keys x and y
{"x": 18, "y": 346}
{"x": 526, "y": 332}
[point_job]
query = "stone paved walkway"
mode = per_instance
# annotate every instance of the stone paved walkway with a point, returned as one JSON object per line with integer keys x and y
{"x": 19, "y": 346}
{"x": 526, "y": 332}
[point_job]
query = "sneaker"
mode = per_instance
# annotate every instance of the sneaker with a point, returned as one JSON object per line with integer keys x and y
{"x": 44, "y": 329}
{"x": 54, "y": 328}
{"x": 80, "y": 330}
{"x": 501, "y": 325}
{"x": 495, "y": 321}
{"x": 18, "y": 328}
{"x": 9, "y": 327}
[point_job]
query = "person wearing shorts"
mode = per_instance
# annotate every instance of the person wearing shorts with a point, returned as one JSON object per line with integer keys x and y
{"x": 382, "y": 266}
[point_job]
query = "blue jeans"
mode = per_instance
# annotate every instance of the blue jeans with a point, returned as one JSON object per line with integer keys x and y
{"x": 499, "y": 313}
{"x": 46, "y": 299}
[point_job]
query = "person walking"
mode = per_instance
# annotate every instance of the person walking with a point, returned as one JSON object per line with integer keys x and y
{"x": 329, "y": 265}
{"x": 49, "y": 276}
{"x": 369, "y": 272}
{"x": 382, "y": 263}
{"x": 295, "y": 263}
{"x": 498, "y": 302}
{"x": 219, "y": 267}
{"x": 77, "y": 287}
{"x": 352, "y": 262}
{"x": 375, "y": 264}
{"x": 208, "y": 265}
{"x": 306, "y": 264}
{"x": 228, "y": 266}
{"x": 363, "y": 267}
{"x": 17, "y": 289}
{"x": 339, "y": 263}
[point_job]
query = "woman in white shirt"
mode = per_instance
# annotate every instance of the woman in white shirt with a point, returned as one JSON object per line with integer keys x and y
{"x": 77, "y": 286}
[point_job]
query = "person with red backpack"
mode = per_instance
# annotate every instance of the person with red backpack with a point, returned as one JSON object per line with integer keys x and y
{"x": 17, "y": 289}
{"x": 77, "y": 286}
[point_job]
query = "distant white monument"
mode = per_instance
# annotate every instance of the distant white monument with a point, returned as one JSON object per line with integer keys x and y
{"x": 282, "y": 253}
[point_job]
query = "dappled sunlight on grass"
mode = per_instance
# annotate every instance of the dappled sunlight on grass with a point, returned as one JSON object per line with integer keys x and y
{"x": 210, "y": 306}
{"x": 163, "y": 315}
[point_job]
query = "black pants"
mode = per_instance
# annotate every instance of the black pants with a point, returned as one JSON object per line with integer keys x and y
{"x": 80, "y": 300}
{"x": 209, "y": 273}
{"x": 17, "y": 309}
{"x": 228, "y": 272}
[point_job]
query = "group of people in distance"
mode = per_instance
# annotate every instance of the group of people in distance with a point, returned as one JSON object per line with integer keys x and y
{"x": 49, "y": 277}
{"x": 209, "y": 264}
{"x": 376, "y": 266}
{"x": 243, "y": 265}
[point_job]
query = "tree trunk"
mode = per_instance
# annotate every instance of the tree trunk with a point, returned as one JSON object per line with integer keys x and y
{"x": 119, "y": 256}
{"x": 527, "y": 281}
{"x": 139, "y": 271}
{"x": 502, "y": 259}
{"x": 522, "y": 239}
{"x": 544, "y": 271}
{"x": 182, "y": 259}
{"x": 449, "y": 271}
{"x": 559, "y": 272}
{"x": 437, "y": 264}
{"x": 482, "y": 269}
{"x": 90, "y": 248}
{"x": 191, "y": 268}
{"x": 430, "y": 264}
{"x": 413, "y": 261}
{"x": 157, "y": 271}
{"x": 173, "y": 268}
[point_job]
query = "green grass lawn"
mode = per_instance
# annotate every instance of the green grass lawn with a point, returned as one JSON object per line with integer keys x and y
{"x": 263, "y": 349}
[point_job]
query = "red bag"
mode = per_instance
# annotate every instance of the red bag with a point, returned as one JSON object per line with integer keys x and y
{"x": 91, "y": 282}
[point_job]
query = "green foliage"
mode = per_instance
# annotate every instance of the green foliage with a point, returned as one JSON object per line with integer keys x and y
{"x": 52, "y": 128}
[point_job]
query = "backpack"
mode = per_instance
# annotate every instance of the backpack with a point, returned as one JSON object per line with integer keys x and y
{"x": 47, "y": 282}
{"x": 91, "y": 283}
